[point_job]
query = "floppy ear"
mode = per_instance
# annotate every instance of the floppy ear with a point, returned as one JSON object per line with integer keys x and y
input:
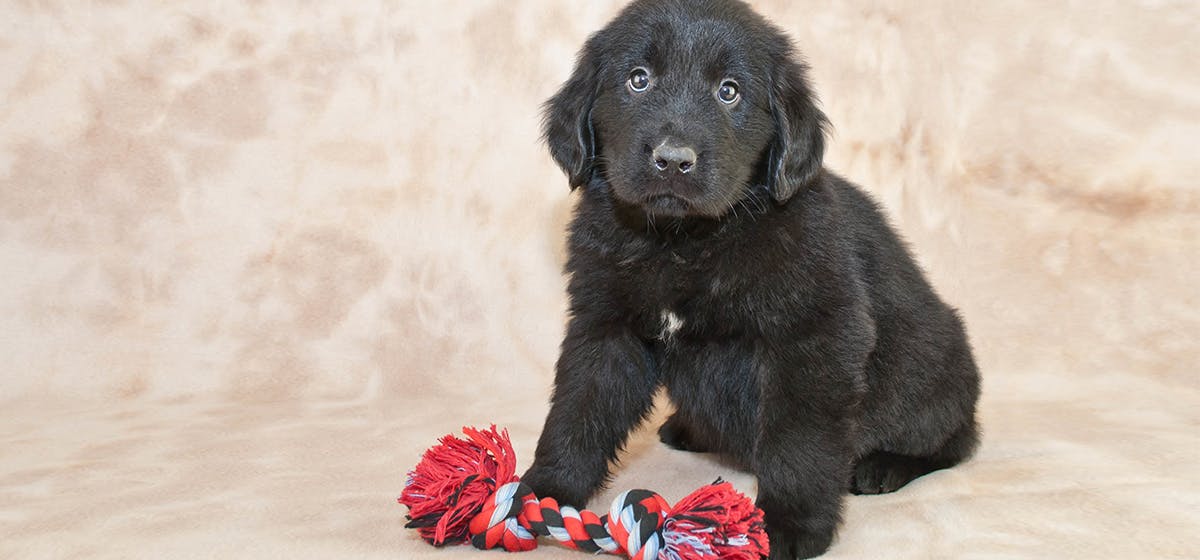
{"x": 799, "y": 131}
{"x": 566, "y": 118}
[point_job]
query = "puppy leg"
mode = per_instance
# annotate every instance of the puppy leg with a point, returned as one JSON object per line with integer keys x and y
{"x": 676, "y": 433}
{"x": 603, "y": 387}
{"x": 801, "y": 472}
{"x": 882, "y": 472}
{"x": 804, "y": 448}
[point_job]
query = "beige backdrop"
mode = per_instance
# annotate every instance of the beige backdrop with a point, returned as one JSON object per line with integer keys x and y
{"x": 257, "y": 256}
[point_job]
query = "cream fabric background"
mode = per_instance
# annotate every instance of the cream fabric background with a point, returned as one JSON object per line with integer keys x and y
{"x": 257, "y": 256}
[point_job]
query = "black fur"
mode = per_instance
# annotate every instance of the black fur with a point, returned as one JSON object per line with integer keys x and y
{"x": 789, "y": 324}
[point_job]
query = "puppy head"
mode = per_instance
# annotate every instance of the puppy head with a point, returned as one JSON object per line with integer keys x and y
{"x": 683, "y": 106}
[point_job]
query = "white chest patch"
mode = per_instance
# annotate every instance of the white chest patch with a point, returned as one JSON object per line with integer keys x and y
{"x": 670, "y": 324}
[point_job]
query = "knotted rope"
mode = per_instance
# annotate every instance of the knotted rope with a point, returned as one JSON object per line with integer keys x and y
{"x": 467, "y": 490}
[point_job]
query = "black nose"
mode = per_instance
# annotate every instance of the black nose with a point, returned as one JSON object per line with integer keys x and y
{"x": 669, "y": 157}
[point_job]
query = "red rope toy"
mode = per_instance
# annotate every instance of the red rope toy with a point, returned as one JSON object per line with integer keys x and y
{"x": 467, "y": 489}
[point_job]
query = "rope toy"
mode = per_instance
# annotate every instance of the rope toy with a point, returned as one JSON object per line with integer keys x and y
{"x": 467, "y": 490}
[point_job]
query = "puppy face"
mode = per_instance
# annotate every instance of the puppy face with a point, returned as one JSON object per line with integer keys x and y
{"x": 684, "y": 106}
{"x": 682, "y": 114}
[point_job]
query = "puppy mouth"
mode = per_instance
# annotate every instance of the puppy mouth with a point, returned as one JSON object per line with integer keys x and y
{"x": 666, "y": 205}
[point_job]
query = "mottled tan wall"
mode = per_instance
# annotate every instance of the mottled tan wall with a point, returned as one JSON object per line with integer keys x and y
{"x": 271, "y": 200}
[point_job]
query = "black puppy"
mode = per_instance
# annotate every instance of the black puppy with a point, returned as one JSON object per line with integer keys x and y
{"x": 712, "y": 254}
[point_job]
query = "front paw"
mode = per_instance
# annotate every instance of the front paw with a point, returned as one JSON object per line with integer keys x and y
{"x": 789, "y": 544}
{"x": 550, "y": 483}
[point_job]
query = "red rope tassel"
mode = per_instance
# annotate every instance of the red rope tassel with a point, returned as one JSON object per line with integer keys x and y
{"x": 716, "y": 522}
{"x": 453, "y": 482}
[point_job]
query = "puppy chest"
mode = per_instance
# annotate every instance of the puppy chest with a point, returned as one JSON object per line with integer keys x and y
{"x": 687, "y": 316}
{"x": 678, "y": 295}
{"x": 669, "y": 324}
{"x": 692, "y": 321}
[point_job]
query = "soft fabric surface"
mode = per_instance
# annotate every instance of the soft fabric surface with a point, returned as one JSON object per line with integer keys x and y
{"x": 257, "y": 256}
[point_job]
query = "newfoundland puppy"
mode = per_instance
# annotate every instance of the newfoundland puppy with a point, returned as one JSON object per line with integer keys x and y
{"x": 711, "y": 254}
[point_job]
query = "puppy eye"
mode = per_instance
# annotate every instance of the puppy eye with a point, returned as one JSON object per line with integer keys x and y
{"x": 639, "y": 79}
{"x": 728, "y": 92}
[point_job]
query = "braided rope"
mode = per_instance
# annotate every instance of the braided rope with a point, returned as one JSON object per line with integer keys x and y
{"x": 636, "y": 520}
{"x": 581, "y": 530}
{"x": 467, "y": 490}
{"x": 514, "y": 518}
